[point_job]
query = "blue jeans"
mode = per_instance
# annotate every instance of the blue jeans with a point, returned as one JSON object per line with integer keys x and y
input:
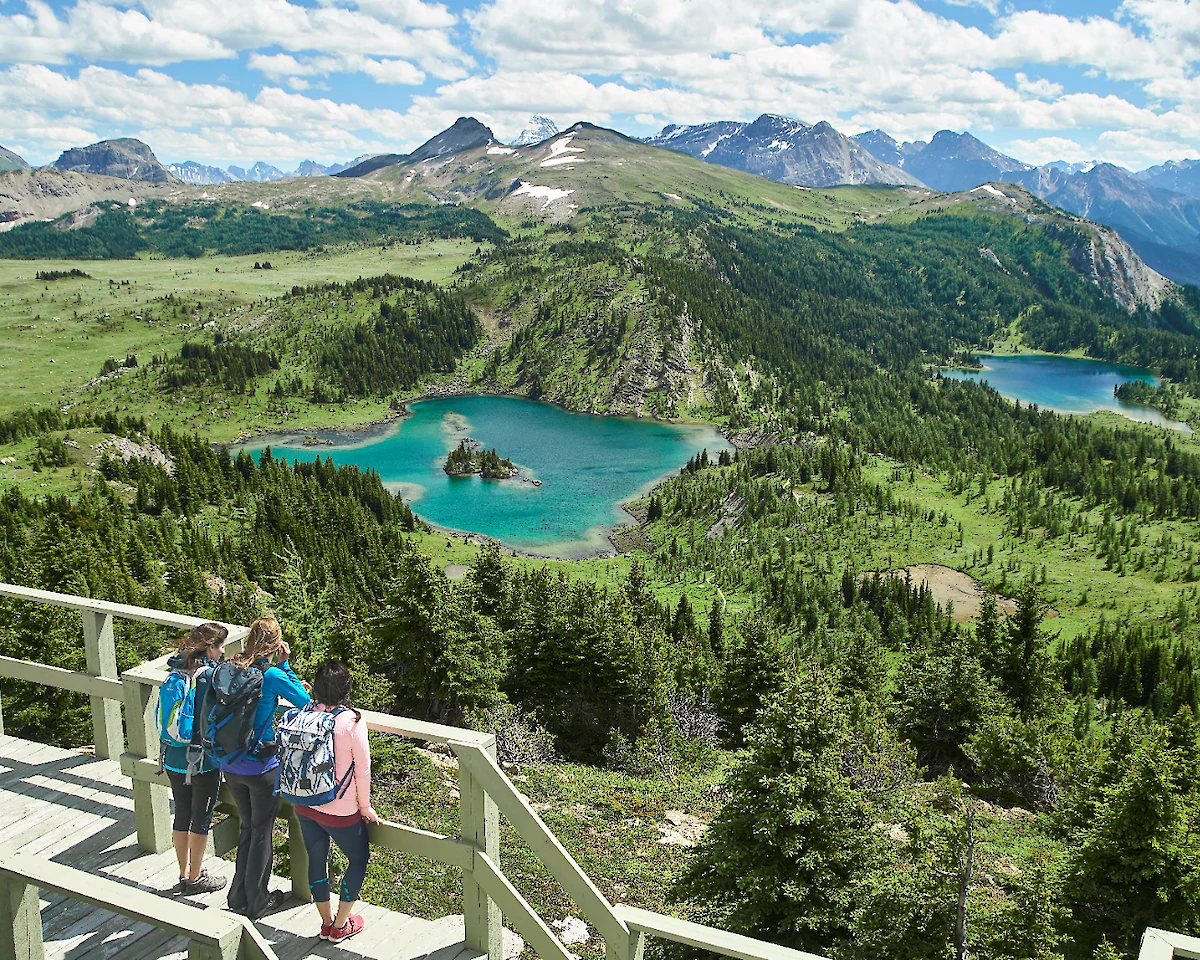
{"x": 352, "y": 841}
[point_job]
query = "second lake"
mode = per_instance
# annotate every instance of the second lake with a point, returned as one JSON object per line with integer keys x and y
{"x": 587, "y": 465}
{"x": 1065, "y": 384}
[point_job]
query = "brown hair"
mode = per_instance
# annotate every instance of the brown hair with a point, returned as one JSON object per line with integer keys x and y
{"x": 262, "y": 642}
{"x": 195, "y": 645}
{"x": 332, "y": 685}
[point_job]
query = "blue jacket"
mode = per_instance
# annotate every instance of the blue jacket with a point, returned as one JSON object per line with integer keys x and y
{"x": 175, "y": 758}
{"x": 279, "y": 683}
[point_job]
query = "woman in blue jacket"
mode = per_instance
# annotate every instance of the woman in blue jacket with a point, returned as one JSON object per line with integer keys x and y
{"x": 252, "y": 778}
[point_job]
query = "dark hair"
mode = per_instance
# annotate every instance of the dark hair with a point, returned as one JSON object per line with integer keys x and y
{"x": 332, "y": 685}
{"x": 196, "y": 643}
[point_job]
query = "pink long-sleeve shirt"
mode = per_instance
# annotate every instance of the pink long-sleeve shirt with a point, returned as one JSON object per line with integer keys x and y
{"x": 349, "y": 744}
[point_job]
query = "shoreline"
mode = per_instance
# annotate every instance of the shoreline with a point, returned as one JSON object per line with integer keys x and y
{"x": 350, "y": 437}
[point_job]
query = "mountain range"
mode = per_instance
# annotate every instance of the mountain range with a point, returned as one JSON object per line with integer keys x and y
{"x": 783, "y": 149}
{"x": 1156, "y": 210}
{"x": 199, "y": 174}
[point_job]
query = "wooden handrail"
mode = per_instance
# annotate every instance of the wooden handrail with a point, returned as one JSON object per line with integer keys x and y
{"x": 545, "y": 844}
{"x": 122, "y": 611}
{"x": 707, "y": 938}
{"x": 60, "y": 678}
{"x": 1164, "y": 945}
{"x": 226, "y": 934}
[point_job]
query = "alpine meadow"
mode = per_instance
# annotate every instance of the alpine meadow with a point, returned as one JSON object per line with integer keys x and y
{"x": 885, "y": 663}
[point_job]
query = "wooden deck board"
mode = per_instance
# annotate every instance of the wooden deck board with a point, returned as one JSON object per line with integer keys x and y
{"x": 67, "y": 806}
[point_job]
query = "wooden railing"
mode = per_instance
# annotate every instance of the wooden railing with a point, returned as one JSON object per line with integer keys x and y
{"x": 1164, "y": 945}
{"x": 213, "y": 934}
{"x": 485, "y": 792}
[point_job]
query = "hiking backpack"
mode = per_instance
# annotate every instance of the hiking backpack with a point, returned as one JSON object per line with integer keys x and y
{"x": 229, "y": 710}
{"x": 307, "y": 774}
{"x": 177, "y": 708}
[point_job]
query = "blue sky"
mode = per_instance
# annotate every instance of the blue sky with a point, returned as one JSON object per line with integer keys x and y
{"x": 234, "y": 81}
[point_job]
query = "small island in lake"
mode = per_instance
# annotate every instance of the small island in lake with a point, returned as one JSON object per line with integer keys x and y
{"x": 470, "y": 457}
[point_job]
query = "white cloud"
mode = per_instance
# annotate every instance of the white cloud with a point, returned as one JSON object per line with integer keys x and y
{"x": 877, "y": 63}
{"x": 1042, "y": 89}
{"x": 195, "y": 121}
{"x": 160, "y": 32}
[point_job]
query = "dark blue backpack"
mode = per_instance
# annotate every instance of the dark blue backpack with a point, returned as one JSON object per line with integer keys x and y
{"x": 229, "y": 711}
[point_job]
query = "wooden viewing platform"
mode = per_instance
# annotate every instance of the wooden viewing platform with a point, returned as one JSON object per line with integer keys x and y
{"x": 86, "y": 861}
{"x": 69, "y": 808}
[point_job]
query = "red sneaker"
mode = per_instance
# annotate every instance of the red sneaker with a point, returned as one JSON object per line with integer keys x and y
{"x": 354, "y": 924}
{"x": 325, "y": 929}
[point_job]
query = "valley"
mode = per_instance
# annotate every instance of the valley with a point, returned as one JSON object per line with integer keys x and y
{"x": 751, "y": 369}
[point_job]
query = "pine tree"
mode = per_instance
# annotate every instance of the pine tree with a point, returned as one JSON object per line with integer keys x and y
{"x": 783, "y": 857}
{"x": 755, "y": 672}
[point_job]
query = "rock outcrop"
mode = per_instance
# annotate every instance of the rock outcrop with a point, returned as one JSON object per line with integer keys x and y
{"x": 126, "y": 158}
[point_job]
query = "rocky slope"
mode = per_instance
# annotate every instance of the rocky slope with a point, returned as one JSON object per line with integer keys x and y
{"x": 465, "y": 134}
{"x": 126, "y": 158}
{"x": 10, "y": 161}
{"x": 783, "y": 149}
{"x": 1098, "y": 252}
{"x": 44, "y": 194}
{"x": 1151, "y": 209}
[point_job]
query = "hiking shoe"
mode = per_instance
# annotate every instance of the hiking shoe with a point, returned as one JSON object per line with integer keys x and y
{"x": 275, "y": 900}
{"x": 354, "y": 924}
{"x": 202, "y": 884}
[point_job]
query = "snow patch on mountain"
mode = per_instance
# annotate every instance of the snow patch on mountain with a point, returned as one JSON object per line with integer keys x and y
{"x": 559, "y": 151}
{"x": 547, "y": 194}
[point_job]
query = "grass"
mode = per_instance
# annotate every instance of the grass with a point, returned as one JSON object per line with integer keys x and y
{"x": 55, "y": 336}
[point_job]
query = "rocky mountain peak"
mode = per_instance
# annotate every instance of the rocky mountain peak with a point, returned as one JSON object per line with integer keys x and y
{"x": 126, "y": 157}
{"x": 538, "y": 128}
{"x": 783, "y": 148}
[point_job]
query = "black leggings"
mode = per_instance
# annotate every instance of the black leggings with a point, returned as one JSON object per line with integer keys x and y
{"x": 194, "y": 801}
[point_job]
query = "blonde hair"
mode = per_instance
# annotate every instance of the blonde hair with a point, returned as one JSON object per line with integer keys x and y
{"x": 195, "y": 645}
{"x": 262, "y": 642}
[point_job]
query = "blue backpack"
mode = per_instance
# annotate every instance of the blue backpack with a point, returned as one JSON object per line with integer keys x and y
{"x": 177, "y": 708}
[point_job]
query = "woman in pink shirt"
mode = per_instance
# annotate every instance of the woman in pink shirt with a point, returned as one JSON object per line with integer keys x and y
{"x": 340, "y": 820}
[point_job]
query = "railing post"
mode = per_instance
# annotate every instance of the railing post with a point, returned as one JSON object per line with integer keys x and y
{"x": 151, "y": 807}
{"x": 1, "y": 715}
{"x": 480, "y": 824}
{"x": 101, "y": 652}
{"x": 20, "y": 912}
{"x": 298, "y": 856}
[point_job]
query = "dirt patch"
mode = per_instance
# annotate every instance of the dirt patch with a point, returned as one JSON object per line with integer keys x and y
{"x": 953, "y": 586}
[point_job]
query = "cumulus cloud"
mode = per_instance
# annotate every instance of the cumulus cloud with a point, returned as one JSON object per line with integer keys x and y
{"x": 648, "y": 61}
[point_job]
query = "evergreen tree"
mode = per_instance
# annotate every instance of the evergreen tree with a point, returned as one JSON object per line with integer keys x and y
{"x": 1133, "y": 815}
{"x": 716, "y": 627}
{"x": 755, "y": 672}
{"x": 784, "y": 856}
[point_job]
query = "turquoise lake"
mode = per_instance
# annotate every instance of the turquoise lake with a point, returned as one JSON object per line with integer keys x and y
{"x": 588, "y": 466}
{"x": 1065, "y": 384}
